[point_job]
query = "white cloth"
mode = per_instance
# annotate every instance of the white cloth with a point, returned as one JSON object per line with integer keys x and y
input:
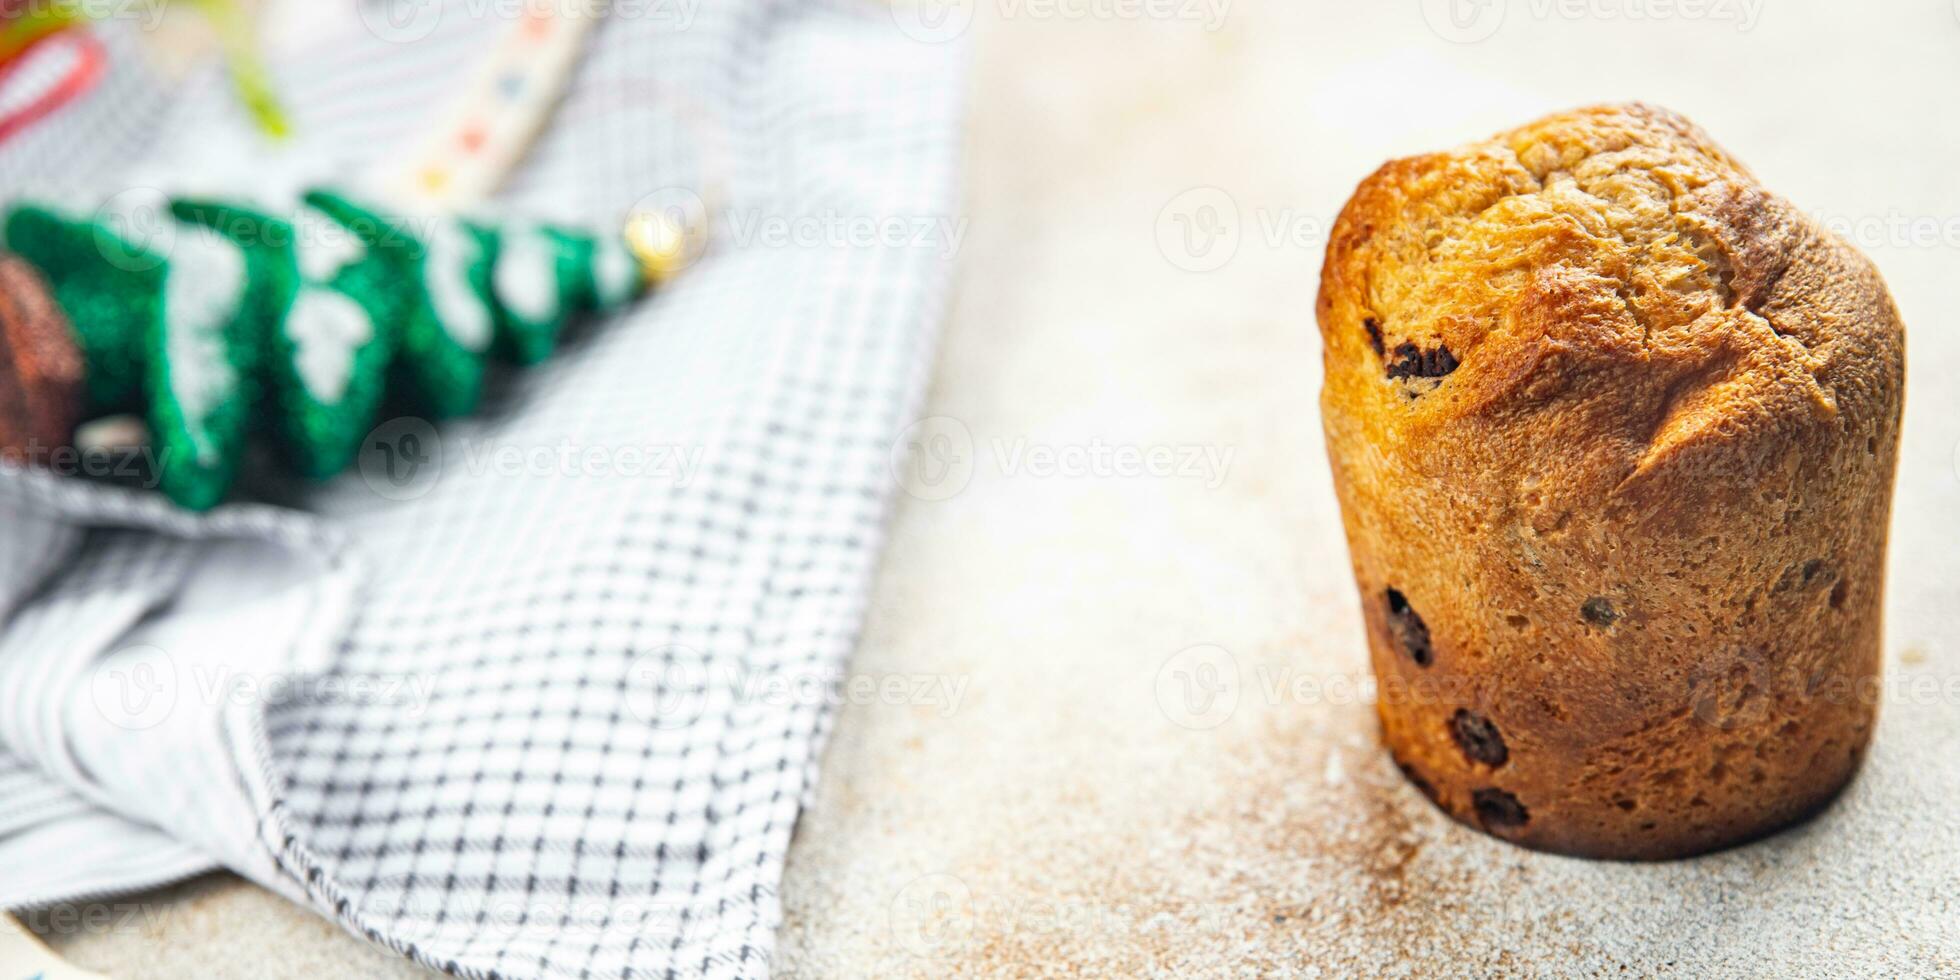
{"x": 503, "y": 717}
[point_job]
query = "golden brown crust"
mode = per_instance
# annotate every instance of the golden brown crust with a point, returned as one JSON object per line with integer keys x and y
{"x": 1618, "y": 428}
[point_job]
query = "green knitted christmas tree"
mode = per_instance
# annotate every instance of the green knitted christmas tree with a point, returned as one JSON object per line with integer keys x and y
{"x": 238, "y": 320}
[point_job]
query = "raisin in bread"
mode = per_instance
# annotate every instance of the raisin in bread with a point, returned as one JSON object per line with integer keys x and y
{"x": 1613, "y": 431}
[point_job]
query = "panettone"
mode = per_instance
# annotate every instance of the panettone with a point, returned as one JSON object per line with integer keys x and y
{"x": 1613, "y": 431}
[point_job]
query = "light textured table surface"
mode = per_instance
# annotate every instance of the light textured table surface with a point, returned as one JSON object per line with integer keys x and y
{"x": 1080, "y": 807}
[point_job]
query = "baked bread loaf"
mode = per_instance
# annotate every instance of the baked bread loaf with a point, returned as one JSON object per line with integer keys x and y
{"x": 1613, "y": 431}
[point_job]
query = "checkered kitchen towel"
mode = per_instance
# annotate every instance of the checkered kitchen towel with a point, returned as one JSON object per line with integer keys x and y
{"x": 500, "y": 717}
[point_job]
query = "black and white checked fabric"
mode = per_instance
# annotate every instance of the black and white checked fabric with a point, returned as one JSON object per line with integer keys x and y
{"x": 501, "y": 717}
